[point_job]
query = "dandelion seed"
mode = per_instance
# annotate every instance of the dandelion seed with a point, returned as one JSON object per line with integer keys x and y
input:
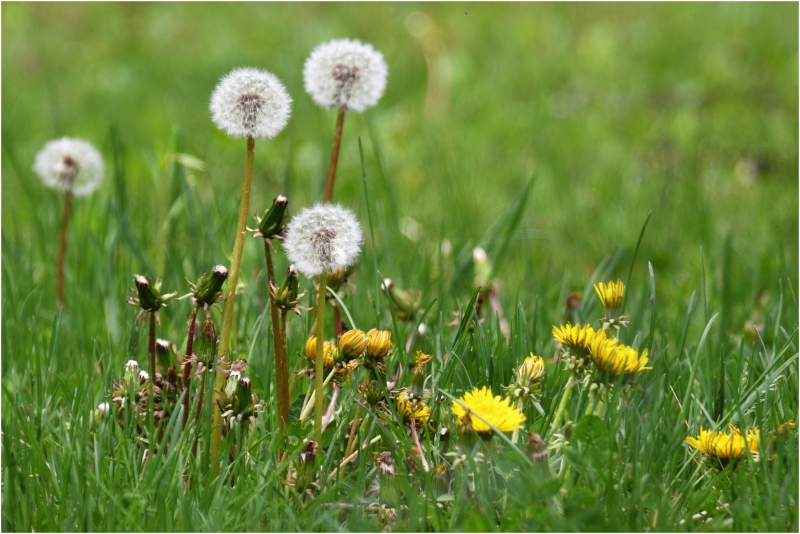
{"x": 323, "y": 239}
{"x": 345, "y": 74}
{"x": 250, "y": 103}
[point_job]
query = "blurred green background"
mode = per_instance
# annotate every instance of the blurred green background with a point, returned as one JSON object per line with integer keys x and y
{"x": 688, "y": 110}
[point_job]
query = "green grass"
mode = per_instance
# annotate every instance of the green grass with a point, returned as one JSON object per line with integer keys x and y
{"x": 686, "y": 113}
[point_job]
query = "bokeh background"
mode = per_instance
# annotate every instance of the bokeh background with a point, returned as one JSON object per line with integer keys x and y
{"x": 686, "y": 110}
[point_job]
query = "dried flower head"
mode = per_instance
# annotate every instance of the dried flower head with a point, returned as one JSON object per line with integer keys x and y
{"x": 345, "y": 74}
{"x": 323, "y": 239}
{"x": 249, "y": 102}
{"x": 70, "y": 165}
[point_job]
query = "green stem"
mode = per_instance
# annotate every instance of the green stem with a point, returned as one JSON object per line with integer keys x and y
{"x": 337, "y": 141}
{"x": 62, "y": 249}
{"x": 563, "y": 404}
{"x": 318, "y": 370}
{"x": 279, "y": 344}
{"x": 187, "y": 366}
{"x": 227, "y": 313}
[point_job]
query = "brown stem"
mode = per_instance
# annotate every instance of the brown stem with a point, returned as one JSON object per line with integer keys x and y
{"x": 151, "y": 351}
{"x": 187, "y": 366}
{"x": 281, "y": 365}
{"x": 198, "y": 410}
{"x": 62, "y": 249}
{"x": 337, "y": 141}
{"x": 337, "y": 321}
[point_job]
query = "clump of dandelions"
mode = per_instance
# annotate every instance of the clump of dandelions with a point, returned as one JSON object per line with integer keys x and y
{"x": 74, "y": 167}
{"x": 321, "y": 240}
{"x": 345, "y": 74}
{"x": 348, "y": 75}
{"x": 252, "y": 104}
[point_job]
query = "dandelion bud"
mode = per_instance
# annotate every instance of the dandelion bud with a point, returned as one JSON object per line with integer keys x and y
{"x": 132, "y": 372}
{"x": 144, "y": 376}
{"x": 468, "y": 438}
{"x": 209, "y": 288}
{"x": 405, "y": 303}
{"x": 306, "y": 463}
{"x": 388, "y": 491}
{"x": 286, "y": 296}
{"x": 232, "y": 383}
{"x": 164, "y": 353}
{"x": 439, "y": 483}
{"x": 353, "y": 343}
{"x": 374, "y": 393}
{"x": 150, "y": 297}
{"x": 329, "y": 352}
{"x": 205, "y": 347}
{"x": 273, "y": 223}
{"x": 379, "y": 344}
{"x": 244, "y": 396}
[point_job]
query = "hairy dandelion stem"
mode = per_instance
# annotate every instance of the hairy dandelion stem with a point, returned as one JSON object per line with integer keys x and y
{"x": 337, "y": 141}
{"x": 62, "y": 248}
{"x": 320, "y": 333}
{"x": 227, "y": 313}
{"x": 187, "y": 365}
{"x": 279, "y": 344}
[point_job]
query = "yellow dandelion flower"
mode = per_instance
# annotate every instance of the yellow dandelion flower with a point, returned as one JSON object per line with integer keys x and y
{"x": 725, "y": 446}
{"x": 379, "y": 343}
{"x": 610, "y": 294}
{"x": 575, "y": 336}
{"x": 422, "y": 359}
{"x": 405, "y": 408}
{"x": 329, "y": 352}
{"x": 353, "y": 343}
{"x": 614, "y": 358}
{"x": 494, "y": 409}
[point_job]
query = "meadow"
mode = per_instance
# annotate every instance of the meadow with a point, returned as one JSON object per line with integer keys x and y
{"x": 573, "y": 143}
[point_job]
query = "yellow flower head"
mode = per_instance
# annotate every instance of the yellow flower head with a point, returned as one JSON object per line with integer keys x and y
{"x": 721, "y": 445}
{"x": 494, "y": 409}
{"x": 576, "y": 337}
{"x": 329, "y": 352}
{"x": 531, "y": 370}
{"x": 405, "y": 408}
{"x": 353, "y": 343}
{"x": 379, "y": 343}
{"x": 614, "y": 358}
{"x": 610, "y": 294}
{"x": 422, "y": 359}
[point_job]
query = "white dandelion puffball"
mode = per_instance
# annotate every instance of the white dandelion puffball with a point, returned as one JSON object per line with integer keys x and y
{"x": 323, "y": 239}
{"x": 70, "y": 165}
{"x": 250, "y": 103}
{"x": 345, "y": 74}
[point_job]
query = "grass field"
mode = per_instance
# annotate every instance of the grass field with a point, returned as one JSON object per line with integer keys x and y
{"x": 555, "y": 136}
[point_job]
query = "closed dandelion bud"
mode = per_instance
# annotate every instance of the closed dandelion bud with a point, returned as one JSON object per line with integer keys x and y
{"x": 164, "y": 353}
{"x": 150, "y": 297}
{"x": 388, "y": 491}
{"x": 405, "y": 303}
{"x": 286, "y": 296}
{"x": 306, "y": 463}
{"x": 374, "y": 393}
{"x": 379, "y": 344}
{"x": 329, "y": 352}
{"x": 244, "y": 396}
{"x": 205, "y": 347}
{"x": 232, "y": 383}
{"x": 353, "y": 343}
{"x": 439, "y": 483}
{"x": 209, "y": 288}
{"x": 468, "y": 438}
{"x": 273, "y": 223}
{"x": 417, "y": 384}
{"x": 132, "y": 372}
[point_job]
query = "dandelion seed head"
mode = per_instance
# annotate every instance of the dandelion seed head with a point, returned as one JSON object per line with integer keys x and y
{"x": 323, "y": 239}
{"x": 68, "y": 164}
{"x": 249, "y": 102}
{"x": 132, "y": 365}
{"x": 345, "y": 74}
{"x": 144, "y": 375}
